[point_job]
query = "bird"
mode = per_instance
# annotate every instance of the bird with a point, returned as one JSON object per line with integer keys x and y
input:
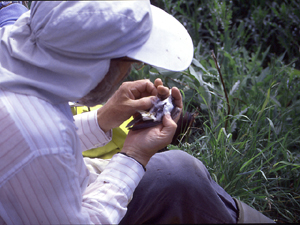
{"x": 154, "y": 116}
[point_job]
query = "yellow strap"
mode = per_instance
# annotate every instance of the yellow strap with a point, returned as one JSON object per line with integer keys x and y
{"x": 114, "y": 146}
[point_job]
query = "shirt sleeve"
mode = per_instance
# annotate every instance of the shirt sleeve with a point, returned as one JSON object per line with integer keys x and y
{"x": 48, "y": 191}
{"x": 119, "y": 180}
{"x": 43, "y": 176}
{"x": 89, "y": 132}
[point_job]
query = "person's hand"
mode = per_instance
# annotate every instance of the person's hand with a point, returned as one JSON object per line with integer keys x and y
{"x": 143, "y": 144}
{"x": 130, "y": 97}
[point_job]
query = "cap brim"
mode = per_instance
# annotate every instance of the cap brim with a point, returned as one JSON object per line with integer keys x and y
{"x": 169, "y": 45}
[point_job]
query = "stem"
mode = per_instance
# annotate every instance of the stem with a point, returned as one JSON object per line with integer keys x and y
{"x": 223, "y": 84}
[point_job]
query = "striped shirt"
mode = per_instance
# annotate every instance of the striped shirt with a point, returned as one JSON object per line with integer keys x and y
{"x": 43, "y": 178}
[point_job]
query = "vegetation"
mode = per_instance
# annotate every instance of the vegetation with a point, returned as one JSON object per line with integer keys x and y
{"x": 246, "y": 129}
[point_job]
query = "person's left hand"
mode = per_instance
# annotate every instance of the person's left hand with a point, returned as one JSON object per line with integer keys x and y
{"x": 143, "y": 144}
{"x": 130, "y": 97}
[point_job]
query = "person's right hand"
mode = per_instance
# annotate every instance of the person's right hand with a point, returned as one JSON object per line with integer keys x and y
{"x": 130, "y": 97}
{"x": 143, "y": 144}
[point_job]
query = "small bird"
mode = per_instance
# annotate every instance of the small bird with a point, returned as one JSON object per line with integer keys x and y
{"x": 154, "y": 116}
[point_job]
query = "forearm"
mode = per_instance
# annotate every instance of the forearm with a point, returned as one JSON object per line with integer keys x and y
{"x": 89, "y": 132}
{"x": 110, "y": 194}
{"x": 49, "y": 190}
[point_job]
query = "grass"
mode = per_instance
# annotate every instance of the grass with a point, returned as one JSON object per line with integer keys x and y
{"x": 249, "y": 140}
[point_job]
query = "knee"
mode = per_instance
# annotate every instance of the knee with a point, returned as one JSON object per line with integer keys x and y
{"x": 179, "y": 168}
{"x": 183, "y": 163}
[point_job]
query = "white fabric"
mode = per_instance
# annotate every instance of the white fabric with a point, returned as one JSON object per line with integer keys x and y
{"x": 169, "y": 45}
{"x": 95, "y": 167}
{"x": 43, "y": 178}
{"x": 91, "y": 136}
{"x": 59, "y": 51}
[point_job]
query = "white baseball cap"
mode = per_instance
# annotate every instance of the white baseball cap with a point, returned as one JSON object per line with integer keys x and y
{"x": 126, "y": 28}
{"x": 169, "y": 45}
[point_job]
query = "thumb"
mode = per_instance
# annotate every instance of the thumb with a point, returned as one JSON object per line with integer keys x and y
{"x": 169, "y": 125}
{"x": 142, "y": 103}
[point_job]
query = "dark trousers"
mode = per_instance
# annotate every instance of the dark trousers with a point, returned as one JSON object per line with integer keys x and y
{"x": 177, "y": 188}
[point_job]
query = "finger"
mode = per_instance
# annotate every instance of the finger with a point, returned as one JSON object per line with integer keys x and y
{"x": 142, "y": 88}
{"x": 169, "y": 122}
{"x": 169, "y": 127}
{"x": 177, "y": 97}
{"x": 158, "y": 82}
{"x": 144, "y": 103}
{"x": 146, "y": 88}
{"x": 177, "y": 115}
{"x": 163, "y": 92}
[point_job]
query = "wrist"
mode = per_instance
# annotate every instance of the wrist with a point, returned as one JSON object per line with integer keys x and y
{"x": 137, "y": 156}
{"x": 123, "y": 153}
{"x": 102, "y": 121}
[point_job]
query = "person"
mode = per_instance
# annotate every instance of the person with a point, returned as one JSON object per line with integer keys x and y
{"x": 81, "y": 51}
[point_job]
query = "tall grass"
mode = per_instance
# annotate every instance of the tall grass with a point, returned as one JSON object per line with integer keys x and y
{"x": 256, "y": 157}
{"x": 250, "y": 141}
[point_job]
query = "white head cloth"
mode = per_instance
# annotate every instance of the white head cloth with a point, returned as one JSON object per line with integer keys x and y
{"x": 59, "y": 51}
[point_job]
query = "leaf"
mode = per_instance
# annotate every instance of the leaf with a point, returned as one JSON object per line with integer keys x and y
{"x": 249, "y": 161}
{"x": 263, "y": 75}
{"x": 296, "y": 165}
{"x": 196, "y": 75}
{"x": 235, "y": 87}
{"x": 198, "y": 64}
{"x": 237, "y": 117}
{"x": 272, "y": 125}
{"x": 265, "y": 104}
{"x": 262, "y": 172}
